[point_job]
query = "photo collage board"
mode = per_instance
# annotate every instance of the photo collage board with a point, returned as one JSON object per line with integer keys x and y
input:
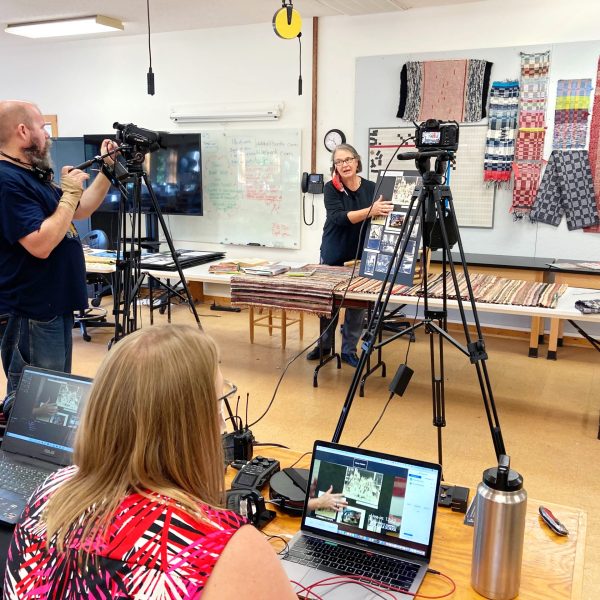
{"x": 383, "y": 232}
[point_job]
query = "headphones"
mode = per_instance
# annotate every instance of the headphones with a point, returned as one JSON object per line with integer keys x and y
{"x": 248, "y": 503}
{"x": 43, "y": 175}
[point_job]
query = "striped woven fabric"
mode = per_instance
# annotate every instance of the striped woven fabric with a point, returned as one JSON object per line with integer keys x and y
{"x": 444, "y": 89}
{"x": 312, "y": 294}
{"x": 486, "y": 288}
{"x": 595, "y": 147}
{"x": 502, "y": 125}
{"x": 532, "y": 130}
{"x": 571, "y": 114}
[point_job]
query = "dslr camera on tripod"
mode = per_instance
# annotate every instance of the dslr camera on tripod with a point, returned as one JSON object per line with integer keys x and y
{"x": 436, "y": 135}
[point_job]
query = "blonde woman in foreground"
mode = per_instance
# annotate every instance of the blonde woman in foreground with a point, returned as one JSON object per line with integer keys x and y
{"x": 138, "y": 516}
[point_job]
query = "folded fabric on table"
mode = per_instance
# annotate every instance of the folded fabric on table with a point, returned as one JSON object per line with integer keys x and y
{"x": 312, "y": 294}
{"x": 588, "y": 307}
{"x": 486, "y": 288}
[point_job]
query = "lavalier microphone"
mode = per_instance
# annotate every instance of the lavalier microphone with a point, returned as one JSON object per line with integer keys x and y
{"x": 45, "y": 175}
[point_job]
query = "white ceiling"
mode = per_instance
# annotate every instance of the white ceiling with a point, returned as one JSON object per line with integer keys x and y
{"x": 178, "y": 15}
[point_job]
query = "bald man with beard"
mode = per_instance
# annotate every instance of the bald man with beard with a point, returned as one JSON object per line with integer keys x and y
{"x": 42, "y": 267}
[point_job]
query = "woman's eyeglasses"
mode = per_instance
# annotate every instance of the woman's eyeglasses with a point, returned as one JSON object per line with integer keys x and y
{"x": 343, "y": 161}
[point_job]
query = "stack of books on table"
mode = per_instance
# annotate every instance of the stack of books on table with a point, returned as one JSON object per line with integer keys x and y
{"x": 235, "y": 266}
{"x": 268, "y": 269}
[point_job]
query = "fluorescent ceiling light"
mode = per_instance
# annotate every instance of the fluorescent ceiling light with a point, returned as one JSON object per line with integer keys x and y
{"x": 64, "y": 27}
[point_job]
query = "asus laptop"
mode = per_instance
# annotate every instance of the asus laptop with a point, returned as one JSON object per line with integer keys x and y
{"x": 385, "y": 532}
{"x": 39, "y": 434}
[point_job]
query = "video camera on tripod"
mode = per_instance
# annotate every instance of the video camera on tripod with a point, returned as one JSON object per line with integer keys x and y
{"x": 135, "y": 142}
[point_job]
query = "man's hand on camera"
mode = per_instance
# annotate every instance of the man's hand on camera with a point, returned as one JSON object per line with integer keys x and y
{"x": 71, "y": 183}
{"x": 113, "y": 148}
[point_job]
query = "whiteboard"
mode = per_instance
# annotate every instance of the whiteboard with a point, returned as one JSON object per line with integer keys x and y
{"x": 251, "y": 189}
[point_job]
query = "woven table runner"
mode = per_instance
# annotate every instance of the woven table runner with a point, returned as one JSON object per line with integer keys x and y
{"x": 313, "y": 294}
{"x": 594, "y": 147}
{"x": 486, "y": 288}
{"x": 529, "y": 146}
{"x": 502, "y": 126}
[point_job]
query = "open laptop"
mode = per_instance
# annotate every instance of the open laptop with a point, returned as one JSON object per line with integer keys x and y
{"x": 385, "y": 532}
{"x": 39, "y": 434}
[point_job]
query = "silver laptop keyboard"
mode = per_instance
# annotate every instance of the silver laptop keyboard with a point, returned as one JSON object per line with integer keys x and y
{"x": 20, "y": 478}
{"x": 339, "y": 559}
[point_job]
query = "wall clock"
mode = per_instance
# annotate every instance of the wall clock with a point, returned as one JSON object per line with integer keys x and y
{"x": 333, "y": 138}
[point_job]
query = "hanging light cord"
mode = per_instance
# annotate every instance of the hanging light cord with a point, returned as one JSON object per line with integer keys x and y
{"x": 300, "y": 62}
{"x": 150, "y": 75}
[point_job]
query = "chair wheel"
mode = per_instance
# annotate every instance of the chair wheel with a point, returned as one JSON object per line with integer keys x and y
{"x": 95, "y": 302}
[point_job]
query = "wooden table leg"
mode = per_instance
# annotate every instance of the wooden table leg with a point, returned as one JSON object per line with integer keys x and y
{"x": 283, "y": 329}
{"x": 534, "y": 337}
{"x": 251, "y": 316}
{"x": 561, "y": 333}
{"x": 270, "y": 322}
{"x": 301, "y": 325}
{"x": 553, "y": 341}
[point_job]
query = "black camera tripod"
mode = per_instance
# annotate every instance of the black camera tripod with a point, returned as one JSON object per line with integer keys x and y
{"x": 432, "y": 203}
{"x": 129, "y": 276}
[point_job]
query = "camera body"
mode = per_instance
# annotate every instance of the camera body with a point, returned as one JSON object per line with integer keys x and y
{"x": 136, "y": 141}
{"x": 436, "y": 135}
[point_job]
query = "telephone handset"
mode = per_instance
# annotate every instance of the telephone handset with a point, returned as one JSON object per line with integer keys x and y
{"x": 312, "y": 183}
{"x": 337, "y": 182}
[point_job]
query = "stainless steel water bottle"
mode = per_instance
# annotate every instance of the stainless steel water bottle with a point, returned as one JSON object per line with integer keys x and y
{"x": 499, "y": 532}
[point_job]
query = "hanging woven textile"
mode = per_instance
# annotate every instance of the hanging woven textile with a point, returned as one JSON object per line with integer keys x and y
{"x": 571, "y": 114}
{"x": 566, "y": 189}
{"x": 501, "y": 134}
{"x": 449, "y": 90}
{"x": 594, "y": 147}
{"x": 529, "y": 145}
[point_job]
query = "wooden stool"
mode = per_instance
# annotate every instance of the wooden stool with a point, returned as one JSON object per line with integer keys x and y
{"x": 257, "y": 321}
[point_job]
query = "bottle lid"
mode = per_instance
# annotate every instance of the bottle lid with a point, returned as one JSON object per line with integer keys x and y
{"x": 502, "y": 477}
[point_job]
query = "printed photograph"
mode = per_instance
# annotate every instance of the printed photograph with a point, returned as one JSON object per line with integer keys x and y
{"x": 388, "y": 242}
{"x": 362, "y": 486}
{"x": 370, "y": 260}
{"x": 396, "y": 220}
{"x": 403, "y": 189}
{"x": 373, "y": 243}
{"x": 383, "y": 260}
{"x": 375, "y": 232}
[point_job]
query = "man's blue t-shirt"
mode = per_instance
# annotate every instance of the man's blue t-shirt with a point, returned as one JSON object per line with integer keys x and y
{"x": 34, "y": 287}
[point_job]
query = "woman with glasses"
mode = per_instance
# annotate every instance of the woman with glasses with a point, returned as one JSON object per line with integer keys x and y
{"x": 348, "y": 199}
{"x": 139, "y": 515}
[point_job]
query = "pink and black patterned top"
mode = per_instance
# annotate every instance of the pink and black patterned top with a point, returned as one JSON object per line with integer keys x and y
{"x": 154, "y": 550}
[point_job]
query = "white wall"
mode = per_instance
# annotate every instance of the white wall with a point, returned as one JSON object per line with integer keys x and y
{"x": 90, "y": 84}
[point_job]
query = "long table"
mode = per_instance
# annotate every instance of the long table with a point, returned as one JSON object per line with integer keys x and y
{"x": 552, "y": 566}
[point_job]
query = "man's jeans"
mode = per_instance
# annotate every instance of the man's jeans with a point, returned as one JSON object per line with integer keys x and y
{"x": 45, "y": 344}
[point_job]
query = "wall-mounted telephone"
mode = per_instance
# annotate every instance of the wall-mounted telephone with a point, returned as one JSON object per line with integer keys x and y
{"x": 312, "y": 183}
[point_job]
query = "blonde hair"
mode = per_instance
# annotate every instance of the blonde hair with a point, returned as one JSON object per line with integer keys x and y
{"x": 12, "y": 114}
{"x": 151, "y": 423}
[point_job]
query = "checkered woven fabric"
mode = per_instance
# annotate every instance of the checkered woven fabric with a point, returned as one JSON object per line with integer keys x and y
{"x": 530, "y": 144}
{"x": 501, "y": 134}
{"x": 594, "y": 146}
{"x": 571, "y": 114}
{"x": 532, "y": 123}
{"x": 527, "y": 177}
{"x": 566, "y": 189}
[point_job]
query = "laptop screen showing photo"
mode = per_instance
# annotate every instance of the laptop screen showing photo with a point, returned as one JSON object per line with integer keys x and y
{"x": 45, "y": 415}
{"x": 391, "y": 501}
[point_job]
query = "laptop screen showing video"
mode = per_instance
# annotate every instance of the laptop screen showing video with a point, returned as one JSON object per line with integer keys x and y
{"x": 45, "y": 415}
{"x": 391, "y": 501}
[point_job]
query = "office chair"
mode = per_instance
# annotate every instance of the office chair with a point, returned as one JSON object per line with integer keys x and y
{"x": 99, "y": 285}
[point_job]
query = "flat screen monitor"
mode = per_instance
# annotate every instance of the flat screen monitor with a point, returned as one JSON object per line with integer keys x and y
{"x": 175, "y": 174}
